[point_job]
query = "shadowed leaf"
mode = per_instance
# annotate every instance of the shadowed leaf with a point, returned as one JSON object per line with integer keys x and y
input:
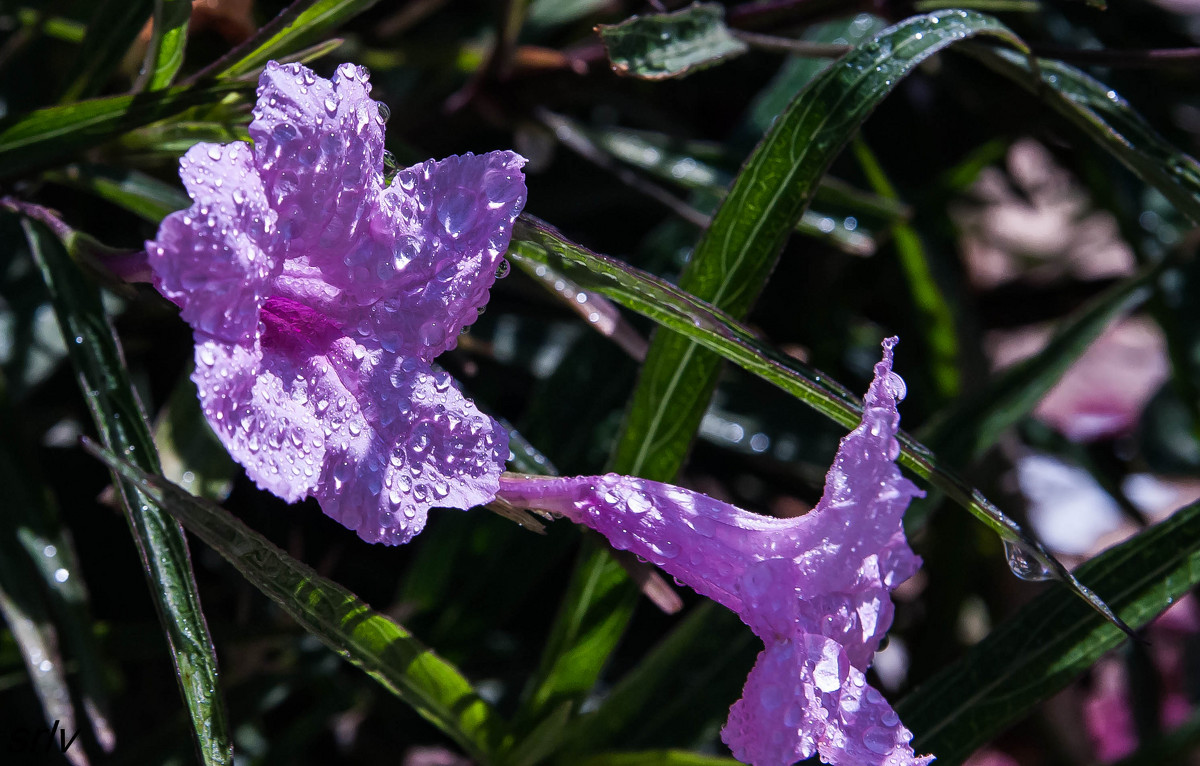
{"x": 664, "y": 45}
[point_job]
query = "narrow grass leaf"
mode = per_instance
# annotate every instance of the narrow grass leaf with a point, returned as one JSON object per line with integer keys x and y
{"x": 664, "y": 45}
{"x": 594, "y": 611}
{"x": 695, "y": 320}
{"x": 114, "y": 26}
{"x": 737, "y": 253}
{"x": 168, "y": 38}
{"x": 1051, "y": 640}
{"x": 121, "y": 424}
{"x": 48, "y": 136}
{"x": 1109, "y": 120}
{"x": 341, "y": 620}
{"x": 297, "y": 26}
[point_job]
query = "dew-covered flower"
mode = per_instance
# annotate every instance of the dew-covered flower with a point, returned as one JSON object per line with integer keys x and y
{"x": 815, "y": 588}
{"x": 319, "y": 297}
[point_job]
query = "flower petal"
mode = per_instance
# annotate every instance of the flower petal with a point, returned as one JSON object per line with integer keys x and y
{"x": 259, "y": 406}
{"x": 804, "y": 696}
{"x": 215, "y": 258}
{"x": 319, "y": 147}
{"x": 449, "y": 224}
{"x": 427, "y": 446}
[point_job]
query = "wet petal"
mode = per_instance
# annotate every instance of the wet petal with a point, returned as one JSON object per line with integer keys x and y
{"x": 319, "y": 147}
{"x": 215, "y": 258}
{"x": 804, "y": 696}
{"x": 448, "y": 225}
{"x": 423, "y": 445}
{"x": 259, "y": 406}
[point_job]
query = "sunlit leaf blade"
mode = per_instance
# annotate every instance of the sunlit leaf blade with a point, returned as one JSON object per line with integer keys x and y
{"x": 698, "y": 321}
{"x": 31, "y": 532}
{"x": 141, "y": 194}
{"x": 46, "y": 136}
{"x": 664, "y": 45}
{"x": 1051, "y": 640}
{"x": 739, "y": 250}
{"x": 341, "y": 620}
{"x": 114, "y": 26}
{"x": 1108, "y": 119}
{"x": 168, "y": 38}
{"x": 122, "y": 426}
{"x": 297, "y": 26}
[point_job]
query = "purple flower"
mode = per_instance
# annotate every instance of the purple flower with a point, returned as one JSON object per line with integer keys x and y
{"x": 814, "y": 588}
{"x": 319, "y": 298}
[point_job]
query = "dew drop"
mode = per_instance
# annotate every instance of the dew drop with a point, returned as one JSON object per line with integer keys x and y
{"x": 878, "y": 740}
{"x": 1025, "y": 563}
{"x": 502, "y": 269}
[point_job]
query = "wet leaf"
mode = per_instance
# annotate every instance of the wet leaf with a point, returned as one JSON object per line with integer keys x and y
{"x": 1051, "y": 640}
{"x": 53, "y": 135}
{"x": 665, "y": 45}
{"x": 120, "y": 422}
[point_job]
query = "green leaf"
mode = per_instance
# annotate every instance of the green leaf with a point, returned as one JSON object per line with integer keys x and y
{"x": 739, "y": 250}
{"x": 114, "y": 26}
{"x": 300, "y": 24}
{"x": 341, "y": 620}
{"x": 1109, "y": 120}
{"x": 46, "y": 136}
{"x": 119, "y": 420}
{"x": 661, "y": 157}
{"x": 664, "y": 45}
{"x": 168, "y": 38}
{"x": 139, "y": 193}
{"x": 1051, "y": 640}
{"x": 698, "y": 321}
{"x": 592, "y": 617}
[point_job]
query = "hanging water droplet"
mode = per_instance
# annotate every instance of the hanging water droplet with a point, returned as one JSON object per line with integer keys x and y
{"x": 1025, "y": 563}
{"x": 502, "y": 269}
{"x": 385, "y": 113}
